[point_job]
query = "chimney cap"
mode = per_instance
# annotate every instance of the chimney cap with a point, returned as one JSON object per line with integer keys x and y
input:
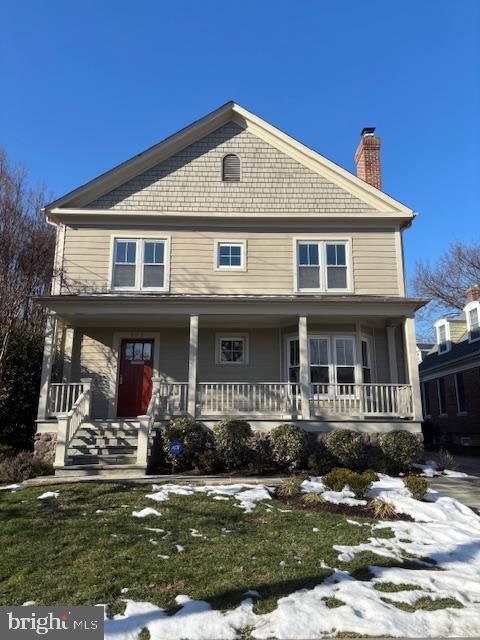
{"x": 368, "y": 131}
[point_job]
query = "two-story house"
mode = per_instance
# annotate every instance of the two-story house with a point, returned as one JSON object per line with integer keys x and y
{"x": 226, "y": 271}
{"x": 450, "y": 378}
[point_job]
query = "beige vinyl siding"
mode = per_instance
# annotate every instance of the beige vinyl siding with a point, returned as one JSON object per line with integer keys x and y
{"x": 96, "y": 362}
{"x": 270, "y": 263}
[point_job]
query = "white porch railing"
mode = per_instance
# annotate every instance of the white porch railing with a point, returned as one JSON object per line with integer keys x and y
{"x": 146, "y": 423}
{"x": 62, "y": 396}
{"x": 381, "y": 400}
{"x": 172, "y": 398}
{"x": 68, "y": 423}
{"x": 252, "y": 398}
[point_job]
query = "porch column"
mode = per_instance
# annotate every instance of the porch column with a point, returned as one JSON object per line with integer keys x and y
{"x": 392, "y": 353}
{"x": 304, "y": 367}
{"x": 46, "y": 367}
{"x": 412, "y": 362}
{"x": 192, "y": 367}
{"x": 67, "y": 354}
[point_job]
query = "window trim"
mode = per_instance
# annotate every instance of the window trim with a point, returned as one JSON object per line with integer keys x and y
{"x": 322, "y": 252}
{"x": 474, "y": 304}
{"x": 231, "y": 336}
{"x": 243, "y": 255}
{"x": 139, "y": 241}
{"x": 448, "y": 344}
{"x": 460, "y": 412}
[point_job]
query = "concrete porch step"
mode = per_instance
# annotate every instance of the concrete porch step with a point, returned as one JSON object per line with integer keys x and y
{"x": 92, "y": 441}
{"x": 104, "y": 459}
{"x": 99, "y": 470}
{"x": 101, "y": 451}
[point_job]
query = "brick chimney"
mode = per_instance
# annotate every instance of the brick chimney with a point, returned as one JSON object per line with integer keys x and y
{"x": 367, "y": 158}
{"x": 473, "y": 293}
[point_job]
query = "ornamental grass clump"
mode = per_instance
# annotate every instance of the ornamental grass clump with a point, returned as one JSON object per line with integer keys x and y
{"x": 289, "y": 446}
{"x": 292, "y": 487}
{"x": 382, "y": 509}
{"x": 230, "y": 438}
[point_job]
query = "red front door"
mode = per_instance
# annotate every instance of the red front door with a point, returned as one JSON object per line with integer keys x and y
{"x": 135, "y": 379}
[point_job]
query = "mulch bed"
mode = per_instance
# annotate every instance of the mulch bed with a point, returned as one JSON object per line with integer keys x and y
{"x": 330, "y": 507}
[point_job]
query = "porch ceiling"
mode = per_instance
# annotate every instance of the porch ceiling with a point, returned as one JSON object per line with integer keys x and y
{"x": 168, "y": 309}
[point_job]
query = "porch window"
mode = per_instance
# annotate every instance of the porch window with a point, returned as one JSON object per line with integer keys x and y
{"x": 366, "y": 363}
{"x": 319, "y": 355}
{"x": 344, "y": 361}
{"x": 231, "y": 350}
{"x": 322, "y": 265}
{"x": 230, "y": 255}
{"x": 139, "y": 264}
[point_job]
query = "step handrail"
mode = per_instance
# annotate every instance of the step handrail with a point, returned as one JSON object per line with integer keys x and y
{"x": 146, "y": 424}
{"x": 68, "y": 424}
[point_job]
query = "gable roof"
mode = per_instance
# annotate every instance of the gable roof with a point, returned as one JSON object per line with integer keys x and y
{"x": 106, "y": 182}
{"x": 459, "y": 351}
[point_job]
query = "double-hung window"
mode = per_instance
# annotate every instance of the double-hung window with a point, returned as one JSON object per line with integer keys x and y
{"x": 322, "y": 265}
{"x": 442, "y": 399}
{"x": 460, "y": 393}
{"x": 139, "y": 264}
{"x": 366, "y": 363}
{"x": 345, "y": 364}
{"x": 473, "y": 321}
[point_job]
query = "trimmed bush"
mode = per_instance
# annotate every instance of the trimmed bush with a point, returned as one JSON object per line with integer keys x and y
{"x": 321, "y": 462}
{"x": 338, "y": 478}
{"x": 206, "y": 461}
{"x": 417, "y": 486}
{"x": 22, "y": 467}
{"x": 230, "y": 438}
{"x": 346, "y": 446}
{"x": 401, "y": 449}
{"x": 312, "y": 498}
{"x": 260, "y": 457}
{"x": 191, "y": 435}
{"x": 371, "y": 475}
{"x": 289, "y": 446}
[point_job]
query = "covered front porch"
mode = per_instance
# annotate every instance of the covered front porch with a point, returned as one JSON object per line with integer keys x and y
{"x": 328, "y": 367}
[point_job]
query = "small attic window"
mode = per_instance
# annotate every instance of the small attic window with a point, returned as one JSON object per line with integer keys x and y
{"x": 231, "y": 168}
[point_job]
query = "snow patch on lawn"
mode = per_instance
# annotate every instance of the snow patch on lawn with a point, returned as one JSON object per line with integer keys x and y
{"x": 148, "y": 511}
{"x": 49, "y": 494}
{"x": 247, "y": 495}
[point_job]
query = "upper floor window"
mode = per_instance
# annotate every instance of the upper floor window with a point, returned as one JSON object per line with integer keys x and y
{"x": 139, "y": 264}
{"x": 231, "y": 168}
{"x": 472, "y": 311}
{"x": 323, "y": 265}
{"x": 230, "y": 255}
{"x": 443, "y": 336}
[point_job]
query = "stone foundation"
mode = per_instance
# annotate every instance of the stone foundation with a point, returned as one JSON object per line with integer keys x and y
{"x": 44, "y": 446}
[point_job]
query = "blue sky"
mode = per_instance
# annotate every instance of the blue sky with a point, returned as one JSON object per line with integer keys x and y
{"x": 88, "y": 84}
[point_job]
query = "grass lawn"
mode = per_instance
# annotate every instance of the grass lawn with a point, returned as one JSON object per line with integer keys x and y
{"x": 62, "y": 551}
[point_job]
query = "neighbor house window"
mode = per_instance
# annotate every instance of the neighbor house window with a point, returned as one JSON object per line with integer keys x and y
{"x": 460, "y": 392}
{"x": 443, "y": 336}
{"x": 322, "y": 265}
{"x": 230, "y": 255}
{"x": 231, "y": 350}
{"x": 231, "y": 168}
{"x": 473, "y": 321}
{"x": 139, "y": 264}
{"x": 442, "y": 402}
{"x": 426, "y": 399}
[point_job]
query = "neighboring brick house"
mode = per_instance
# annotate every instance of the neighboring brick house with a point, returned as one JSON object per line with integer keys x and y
{"x": 450, "y": 378}
{"x": 228, "y": 270}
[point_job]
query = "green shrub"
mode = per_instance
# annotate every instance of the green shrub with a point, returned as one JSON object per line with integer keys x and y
{"x": 190, "y": 434}
{"x": 321, "y": 462}
{"x": 292, "y": 487}
{"x": 289, "y": 446}
{"x": 22, "y": 467}
{"x": 417, "y": 486}
{"x": 312, "y": 498}
{"x": 401, "y": 449}
{"x": 230, "y": 437}
{"x": 206, "y": 461}
{"x": 338, "y": 478}
{"x": 260, "y": 459}
{"x": 371, "y": 475}
{"x": 346, "y": 446}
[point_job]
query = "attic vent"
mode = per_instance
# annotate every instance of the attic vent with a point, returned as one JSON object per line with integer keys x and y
{"x": 231, "y": 168}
